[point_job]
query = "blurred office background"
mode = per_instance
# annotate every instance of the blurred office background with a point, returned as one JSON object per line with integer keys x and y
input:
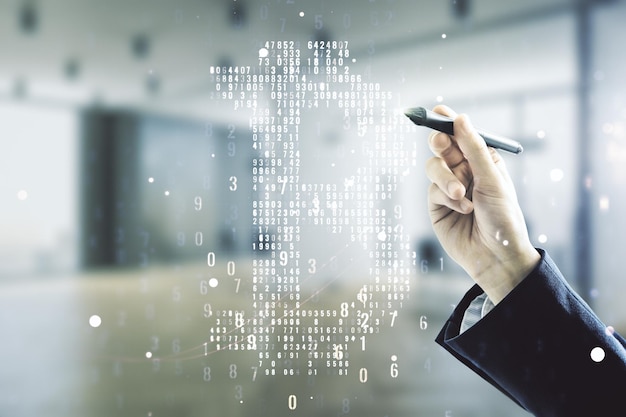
{"x": 108, "y": 134}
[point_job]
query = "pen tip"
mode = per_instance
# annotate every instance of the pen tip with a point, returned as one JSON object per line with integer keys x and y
{"x": 411, "y": 111}
{"x": 416, "y": 114}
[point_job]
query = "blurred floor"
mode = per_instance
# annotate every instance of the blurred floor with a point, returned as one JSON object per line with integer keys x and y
{"x": 147, "y": 357}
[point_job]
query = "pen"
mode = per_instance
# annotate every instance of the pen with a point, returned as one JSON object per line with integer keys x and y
{"x": 422, "y": 117}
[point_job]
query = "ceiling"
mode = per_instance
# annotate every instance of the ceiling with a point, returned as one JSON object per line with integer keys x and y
{"x": 156, "y": 54}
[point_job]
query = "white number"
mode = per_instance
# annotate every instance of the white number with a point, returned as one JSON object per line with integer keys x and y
{"x": 363, "y": 375}
{"x": 283, "y": 258}
{"x": 394, "y": 370}
{"x": 292, "y": 402}
{"x": 344, "y": 310}
{"x": 230, "y": 268}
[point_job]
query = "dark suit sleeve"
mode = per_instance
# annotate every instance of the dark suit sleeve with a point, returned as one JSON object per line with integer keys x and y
{"x": 535, "y": 346}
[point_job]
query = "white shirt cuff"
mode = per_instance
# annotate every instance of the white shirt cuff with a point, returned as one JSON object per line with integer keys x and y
{"x": 478, "y": 308}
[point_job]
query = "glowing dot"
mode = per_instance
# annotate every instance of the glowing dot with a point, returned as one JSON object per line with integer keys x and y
{"x": 556, "y": 175}
{"x": 95, "y": 321}
{"x": 333, "y": 165}
{"x": 212, "y": 155}
{"x": 166, "y": 193}
{"x": 505, "y": 242}
{"x": 148, "y": 355}
{"x": 353, "y": 60}
{"x": 150, "y": 180}
{"x": 301, "y": 14}
{"x": 443, "y": 36}
{"x": 604, "y": 203}
{"x": 213, "y": 282}
{"x": 439, "y": 99}
{"x": 263, "y": 53}
{"x": 542, "y": 238}
{"x": 382, "y": 236}
{"x": 541, "y": 134}
{"x": 22, "y": 195}
{"x": 394, "y": 358}
{"x": 597, "y": 354}
{"x": 610, "y": 331}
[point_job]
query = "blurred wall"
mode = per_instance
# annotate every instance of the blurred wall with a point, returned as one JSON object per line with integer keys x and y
{"x": 39, "y": 165}
{"x": 128, "y": 186}
{"x": 607, "y": 145}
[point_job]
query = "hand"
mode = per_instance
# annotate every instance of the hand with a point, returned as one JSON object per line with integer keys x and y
{"x": 474, "y": 210}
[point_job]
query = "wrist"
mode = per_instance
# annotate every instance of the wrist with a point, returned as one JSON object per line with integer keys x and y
{"x": 504, "y": 275}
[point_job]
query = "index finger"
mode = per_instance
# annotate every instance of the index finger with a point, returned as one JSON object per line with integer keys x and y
{"x": 474, "y": 148}
{"x": 444, "y": 146}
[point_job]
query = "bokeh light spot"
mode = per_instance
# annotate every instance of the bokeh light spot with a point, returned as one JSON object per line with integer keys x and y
{"x": 22, "y": 195}
{"x": 95, "y": 321}
{"x": 557, "y": 175}
{"x": 597, "y": 354}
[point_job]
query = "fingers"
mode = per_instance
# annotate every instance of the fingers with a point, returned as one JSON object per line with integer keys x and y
{"x": 440, "y": 174}
{"x": 459, "y": 160}
{"x": 474, "y": 148}
{"x": 447, "y": 189}
{"x": 467, "y": 145}
{"x": 437, "y": 198}
{"x": 445, "y": 110}
{"x": 442, "y": 145}
{"x": 501, "y": 166}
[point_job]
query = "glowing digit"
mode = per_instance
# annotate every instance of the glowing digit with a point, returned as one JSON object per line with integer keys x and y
{"x": 292, "y": 402}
